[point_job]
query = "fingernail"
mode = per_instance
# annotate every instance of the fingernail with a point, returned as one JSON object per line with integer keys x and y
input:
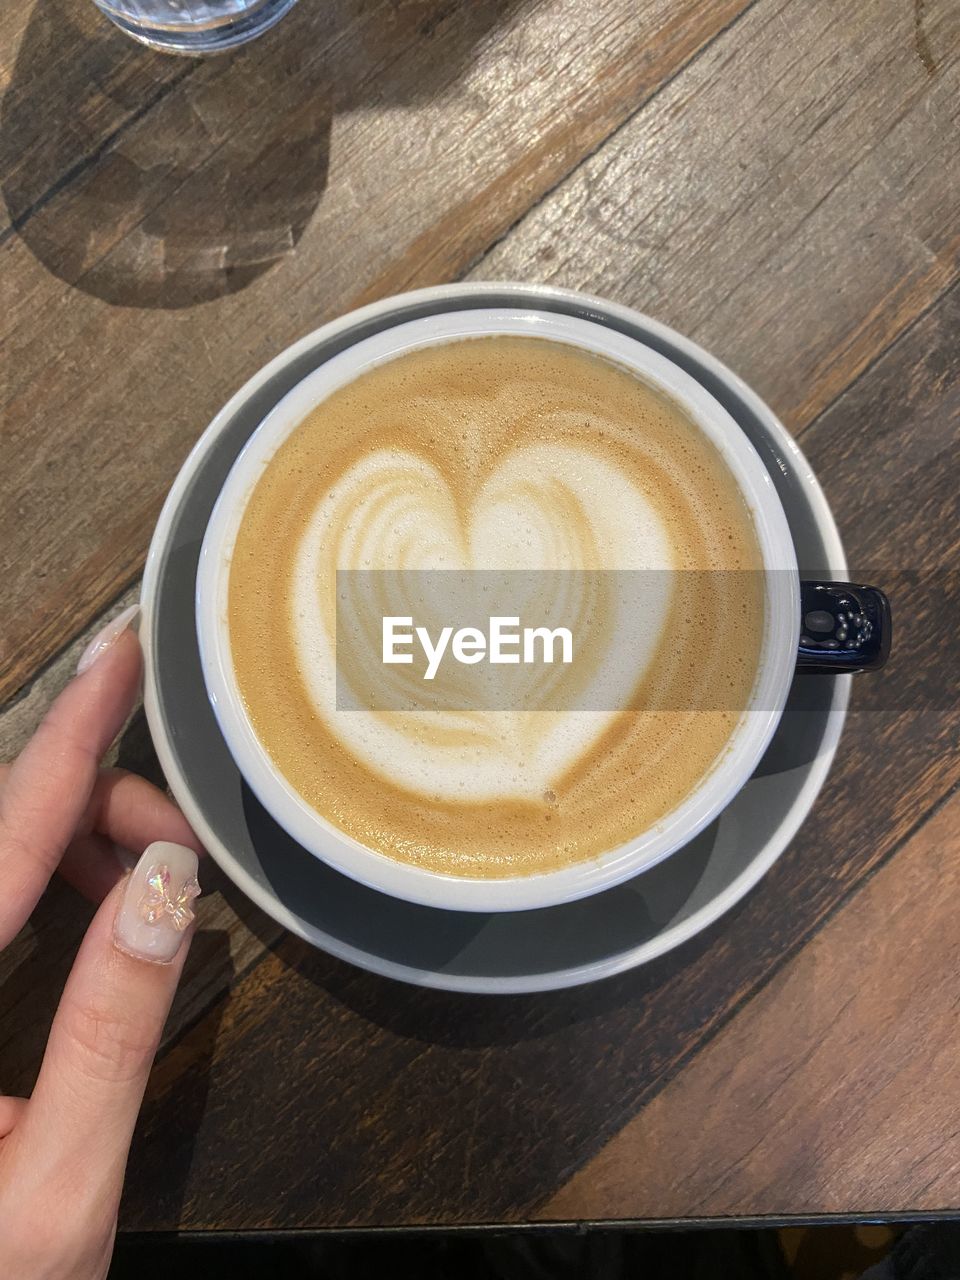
{"x": 106, "y": 637}
{"x": 157, "y": 902}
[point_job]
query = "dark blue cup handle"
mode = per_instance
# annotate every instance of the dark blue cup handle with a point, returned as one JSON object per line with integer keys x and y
{"x": 843, "y": 627}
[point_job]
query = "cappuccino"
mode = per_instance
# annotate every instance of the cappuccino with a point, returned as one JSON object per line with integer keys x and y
{"x": 512, "y": 454}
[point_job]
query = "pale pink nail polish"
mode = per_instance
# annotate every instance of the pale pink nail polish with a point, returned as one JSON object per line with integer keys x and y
{"x": 106, "y": 637}
{"x": 157, "y": 906}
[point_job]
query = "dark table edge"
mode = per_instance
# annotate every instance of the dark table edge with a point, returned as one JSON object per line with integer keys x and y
{"x": 567, "y": 1227}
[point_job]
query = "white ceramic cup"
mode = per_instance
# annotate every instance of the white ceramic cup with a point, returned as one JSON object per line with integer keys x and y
{"x": 778, "y": 653}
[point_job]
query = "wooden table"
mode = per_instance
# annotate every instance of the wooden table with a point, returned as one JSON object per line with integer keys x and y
{"x": 780, "y": 179}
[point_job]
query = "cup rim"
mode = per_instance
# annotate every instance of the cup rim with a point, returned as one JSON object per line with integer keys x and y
{"x": 715, "y": 790}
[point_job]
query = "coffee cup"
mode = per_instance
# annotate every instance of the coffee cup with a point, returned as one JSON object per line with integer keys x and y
{"x": 810, "y": 626}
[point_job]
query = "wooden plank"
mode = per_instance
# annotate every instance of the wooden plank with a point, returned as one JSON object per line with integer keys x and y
{"x": 792, "y": 201}
{"x": 358, "y": 148}
{"x": 833, "y": 1091}
{"x": 347, "y": 1100}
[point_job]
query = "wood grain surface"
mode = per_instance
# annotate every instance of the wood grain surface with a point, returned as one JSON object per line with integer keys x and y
{"x": 837, "y": 1085}
{"x": 798, "y": 181}
{"x": 779, "y": 180}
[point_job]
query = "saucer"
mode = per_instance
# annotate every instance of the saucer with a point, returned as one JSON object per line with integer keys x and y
{"x": 522, "y": 951}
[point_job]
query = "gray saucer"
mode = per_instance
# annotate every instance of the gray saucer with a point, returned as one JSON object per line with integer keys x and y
{"x": 520, "y": 951}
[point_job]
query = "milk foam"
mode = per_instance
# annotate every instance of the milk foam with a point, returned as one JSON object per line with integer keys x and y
{"x": 546, "y": 506}
{"x": 514, "y": 453}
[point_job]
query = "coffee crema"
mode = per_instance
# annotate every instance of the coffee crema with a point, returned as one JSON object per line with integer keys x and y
{"x": 497, "y": 453}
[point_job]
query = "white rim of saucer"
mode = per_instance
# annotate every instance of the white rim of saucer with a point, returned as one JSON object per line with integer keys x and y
{"x": 670, "y": 938}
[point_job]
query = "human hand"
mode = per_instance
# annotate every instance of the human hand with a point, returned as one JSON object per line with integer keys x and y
{"x": 63, "y": 1151}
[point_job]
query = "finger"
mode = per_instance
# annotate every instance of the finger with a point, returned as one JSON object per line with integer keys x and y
{"x": 11, "y": 1110}
{"x": 47, "y": 789}
{"x": 80, "y": 1119}
{"x": 125, "y": 813}
{"x": 93, "y": 865}
{"x": 133, "y": 812}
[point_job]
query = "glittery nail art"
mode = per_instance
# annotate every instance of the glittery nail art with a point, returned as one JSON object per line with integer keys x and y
{"x": 156, "y": 911}
{"x": 158, "y": 902}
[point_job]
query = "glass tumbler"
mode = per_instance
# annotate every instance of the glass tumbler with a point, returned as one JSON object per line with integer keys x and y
{"x": 194, "y": 26}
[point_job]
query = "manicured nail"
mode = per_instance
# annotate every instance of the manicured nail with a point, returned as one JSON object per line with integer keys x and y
{"x": 106, "y": 637}
{"x": 156, "y": 909}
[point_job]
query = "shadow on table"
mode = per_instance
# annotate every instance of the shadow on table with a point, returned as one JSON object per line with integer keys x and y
{"x": 159, "y": 182}
{"x": 470, "y": 1022}
{"x": 175, "y": 1103}
{"x": 33, "y": 970}
{"x": 462, "y": 1021}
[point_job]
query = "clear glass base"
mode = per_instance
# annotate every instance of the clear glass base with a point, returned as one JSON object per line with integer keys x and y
{"x": 194, "y": 29}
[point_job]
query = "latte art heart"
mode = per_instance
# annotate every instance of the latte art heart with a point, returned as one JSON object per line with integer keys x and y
{"x": 398, "y": 496}
{"x": 544, "y": 507}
